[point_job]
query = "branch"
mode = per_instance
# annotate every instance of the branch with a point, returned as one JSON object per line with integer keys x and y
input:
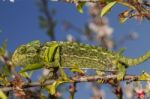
{"x": 49, "y": 17}
{"x": 105, "y": 79}
{"x": 74, "y": 1}
{"x": 92, "y": 1}
{"x": 7, "y": 61}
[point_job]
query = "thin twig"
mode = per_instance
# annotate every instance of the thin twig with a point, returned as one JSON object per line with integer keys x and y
{"x": 72, "y": 90}
{"x": 74, "y": 1}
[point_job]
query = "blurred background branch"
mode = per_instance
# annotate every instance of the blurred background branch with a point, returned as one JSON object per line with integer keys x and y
{"x": 46, "y": 19}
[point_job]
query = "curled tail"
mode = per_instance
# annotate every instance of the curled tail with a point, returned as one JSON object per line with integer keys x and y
{"x": 133, "y": 62}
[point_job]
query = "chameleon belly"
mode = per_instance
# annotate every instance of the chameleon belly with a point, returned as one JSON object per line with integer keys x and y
{"x": 86, "y": 56}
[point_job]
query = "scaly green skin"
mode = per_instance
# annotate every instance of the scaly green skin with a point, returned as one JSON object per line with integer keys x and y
{"x": 71, "y": 54}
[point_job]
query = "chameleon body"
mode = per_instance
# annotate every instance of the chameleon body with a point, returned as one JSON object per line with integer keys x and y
{"x": 71, "y": 55}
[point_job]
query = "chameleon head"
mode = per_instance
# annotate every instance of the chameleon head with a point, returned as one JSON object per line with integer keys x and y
{"x": 26, "y": 54}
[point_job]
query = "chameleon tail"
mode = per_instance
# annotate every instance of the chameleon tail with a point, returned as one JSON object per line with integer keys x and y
{"x": 133, "y": 62}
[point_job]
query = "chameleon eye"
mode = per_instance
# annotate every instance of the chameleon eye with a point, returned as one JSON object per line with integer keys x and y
{"x": 31, "y": 50}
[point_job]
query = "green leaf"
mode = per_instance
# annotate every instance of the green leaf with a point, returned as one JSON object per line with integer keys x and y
{"x": 26, "y": 75}
{"x": 31, "y": 67}
{"x": 53, "y": 88}
{"x": 122, "y": 20}
{"x": 3, "y": 48}
{"x": 107, "y": 8}
{"x": 6, "y": 70}
{"x": 80, "y": 6}
{"x": 2, "y": 95}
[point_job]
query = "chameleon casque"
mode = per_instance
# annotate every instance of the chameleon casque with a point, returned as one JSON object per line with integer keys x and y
{"x": 73, "y": 55}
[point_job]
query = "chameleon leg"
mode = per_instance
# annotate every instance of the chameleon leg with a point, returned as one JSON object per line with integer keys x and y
{"x": 57, "y": 61}
{"x": 121, "y": 51}
{"x": 75, "y": 68}
{"x": 64, "y": 78}
{"x": 100, "y": 73}
{"x": 50, "y": 75}
{"x": 122, "y": 71}
{"x": 53, "y": 55}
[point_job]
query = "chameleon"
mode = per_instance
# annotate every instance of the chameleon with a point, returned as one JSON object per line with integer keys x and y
{"x": 73, "y": 55}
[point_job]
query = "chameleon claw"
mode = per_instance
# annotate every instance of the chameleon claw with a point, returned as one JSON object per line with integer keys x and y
{"x": 77, "y": 69}
{"x": 100, "y": 81}
{"x": 98, "y": 72}
{"x": 122, "y": 72}
{"x": 120, "y": 77}
{"x": 63, "y": 75}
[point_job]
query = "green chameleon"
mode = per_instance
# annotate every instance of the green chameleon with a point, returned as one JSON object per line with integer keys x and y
{"x": 75, "y": 56}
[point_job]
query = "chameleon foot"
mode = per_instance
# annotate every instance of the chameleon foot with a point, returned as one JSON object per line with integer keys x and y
{"x": 63, "y": 79}
{"x": 122, "y": 72}
{"x": 48, "y": 76}
{"x": 100, "y": 73}
{"x": 53, "y": 87}
{"x": 75, "y": 68}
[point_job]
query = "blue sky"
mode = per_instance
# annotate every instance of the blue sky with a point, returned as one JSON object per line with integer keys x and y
{"x": 19, "y": 24}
